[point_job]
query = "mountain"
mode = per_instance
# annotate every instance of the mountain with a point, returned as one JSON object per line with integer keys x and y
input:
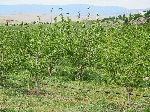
{"x": 72, "y": 9}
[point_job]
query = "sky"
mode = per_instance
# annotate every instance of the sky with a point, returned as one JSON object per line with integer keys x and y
{"x": 131, "y": 4}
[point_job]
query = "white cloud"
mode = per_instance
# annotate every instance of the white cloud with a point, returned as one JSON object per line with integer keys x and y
{"x": 124, "y": 3}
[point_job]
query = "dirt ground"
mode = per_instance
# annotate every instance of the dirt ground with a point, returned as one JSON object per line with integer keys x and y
{"x": 29, "y": 18}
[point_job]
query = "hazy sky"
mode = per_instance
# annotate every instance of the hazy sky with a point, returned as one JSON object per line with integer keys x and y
{"x": 124, "y": 3}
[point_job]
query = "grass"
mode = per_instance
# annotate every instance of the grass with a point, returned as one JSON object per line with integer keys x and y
{"x": 73, "y": 96}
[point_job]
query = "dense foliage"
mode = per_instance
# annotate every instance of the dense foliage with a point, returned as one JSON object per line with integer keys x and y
{"x": 80, "y": 51}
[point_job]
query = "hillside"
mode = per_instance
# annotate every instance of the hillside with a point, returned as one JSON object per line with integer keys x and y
{"x": 72, "y": 9}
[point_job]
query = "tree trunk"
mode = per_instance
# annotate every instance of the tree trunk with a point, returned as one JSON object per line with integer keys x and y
{"x": 50, "y": 69}
{"x": 28, "y": 86}
{"x": 80, "y": 73}
{"x": 129, "y": 90}
{"x": 37, "y": 87}
{"x": 2, "y": 57}
{"x": 129, "y": 99}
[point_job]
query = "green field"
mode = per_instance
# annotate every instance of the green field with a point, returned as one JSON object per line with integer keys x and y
{"x": 58, "y": 95}
{"x": 83, "y": 66}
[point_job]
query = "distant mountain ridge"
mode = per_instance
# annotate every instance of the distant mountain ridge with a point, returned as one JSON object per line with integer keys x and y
{"x": 72, "y": 9}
